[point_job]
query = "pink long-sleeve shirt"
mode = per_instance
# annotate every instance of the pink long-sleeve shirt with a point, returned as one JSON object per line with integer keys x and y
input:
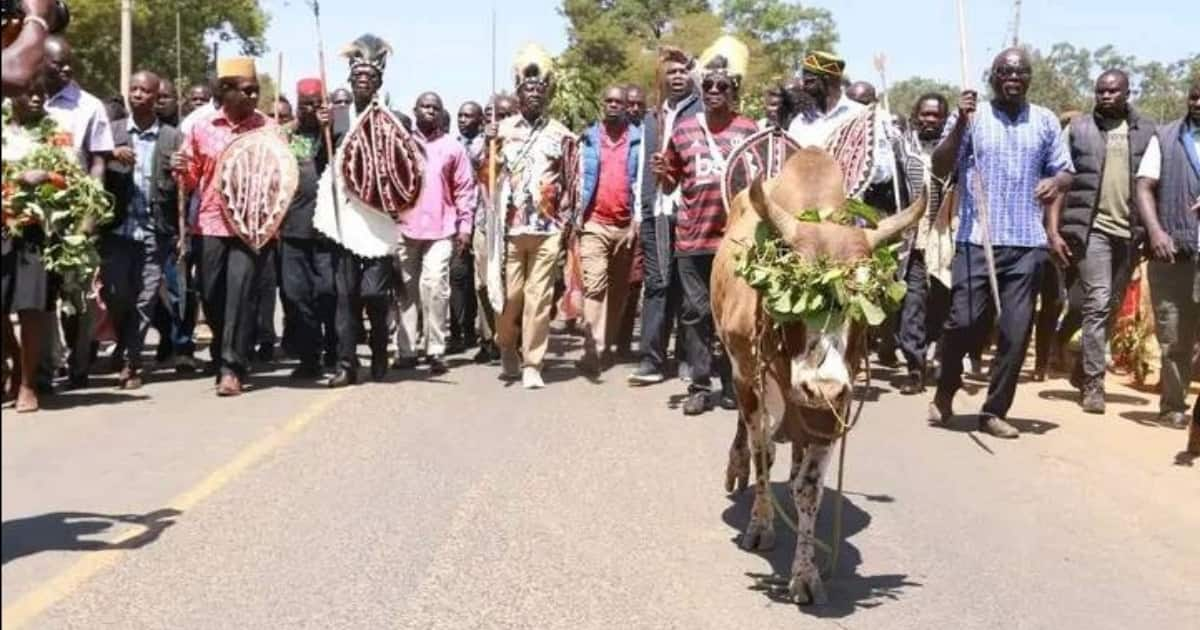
{"x": 446, "y": 205}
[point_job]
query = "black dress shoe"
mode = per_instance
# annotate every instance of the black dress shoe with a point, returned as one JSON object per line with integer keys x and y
{"x": 306, "y": 372}
{"x": 343, "y": 377}
{"x": 403, "y": 363}
{"x": 437, "y": 366}
{"x": 379, "y": 368}
{"x": 728, "y": 402}
{"x": 913, "y": 384}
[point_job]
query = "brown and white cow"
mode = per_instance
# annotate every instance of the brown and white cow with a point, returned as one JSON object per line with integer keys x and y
{"x": 809, "y": 373}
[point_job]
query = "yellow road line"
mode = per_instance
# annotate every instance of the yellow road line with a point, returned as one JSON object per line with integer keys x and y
{"x": 50, "y": 592}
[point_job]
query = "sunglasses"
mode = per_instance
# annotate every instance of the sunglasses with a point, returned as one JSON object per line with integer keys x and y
{"x": 720, "y": 85}
{"x": 1018, "y": 72}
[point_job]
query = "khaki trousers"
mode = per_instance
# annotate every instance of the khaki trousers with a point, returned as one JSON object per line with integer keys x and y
{"x": 529, "y": 261}
{"x": 423, "y": 295}
{"x": 606, "y": 268}
{"x": 485, "y": 323}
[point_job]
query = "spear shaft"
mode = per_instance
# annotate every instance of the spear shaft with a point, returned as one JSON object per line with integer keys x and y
{"x": 181, "y": 198}
{"x": 329, "y": 148}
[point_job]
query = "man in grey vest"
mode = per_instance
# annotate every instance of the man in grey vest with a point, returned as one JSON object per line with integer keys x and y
{"x": 1097, "y": 229}
{"x": 1168, "y": 188}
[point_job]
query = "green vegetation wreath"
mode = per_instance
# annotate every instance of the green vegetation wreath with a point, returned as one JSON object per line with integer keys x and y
{"x": 67, "y": 206}
{"x": 822, "y": 293}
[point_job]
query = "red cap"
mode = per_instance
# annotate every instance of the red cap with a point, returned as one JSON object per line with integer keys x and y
{"x": 309, "y": 87}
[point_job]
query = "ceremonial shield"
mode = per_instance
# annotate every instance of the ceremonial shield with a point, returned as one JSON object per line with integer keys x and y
{"x": 853, "y": 148}
{"x": 381, "y": 163}
{"x": 764, "y": 152}
{"x": 257, "y": 177}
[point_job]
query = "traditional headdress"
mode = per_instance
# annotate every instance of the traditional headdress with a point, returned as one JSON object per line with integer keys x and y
{"x": 533, "y": 63}
{"x": 727, "y": 56}
{"x": 824, "y": 63}
{"x": 236, "y": 67}
{"x": 367, "y": 50}
{"x": 309, "y": 87}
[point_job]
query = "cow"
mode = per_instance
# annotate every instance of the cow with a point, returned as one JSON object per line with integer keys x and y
{"x": 806, "y": 388}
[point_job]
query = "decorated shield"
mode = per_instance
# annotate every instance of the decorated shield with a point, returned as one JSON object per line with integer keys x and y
{"x": 764, "y": 152}
{"x": 381, "y": 163}
{"x": 258, "y": 177}
{"x": 853, "y": 148}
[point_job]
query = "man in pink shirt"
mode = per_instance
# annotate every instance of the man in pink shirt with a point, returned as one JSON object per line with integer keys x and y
{"x": 229, "y": 269}
{"x": 438, "y": 226}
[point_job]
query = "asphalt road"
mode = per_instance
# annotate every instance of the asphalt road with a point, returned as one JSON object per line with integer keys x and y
{"x": 459, "y": 502}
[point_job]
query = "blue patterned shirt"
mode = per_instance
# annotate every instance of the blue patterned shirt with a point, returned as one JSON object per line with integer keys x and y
{"x": 1011, "y": 157}
{"x": 137, "y": 222}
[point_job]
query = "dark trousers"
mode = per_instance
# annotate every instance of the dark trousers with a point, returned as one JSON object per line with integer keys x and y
{"x": 703, "y": 350}
{"x": 177, "y": 321}
{"x": 265, "y": 297}
{"x": 1175, "y": 291}
{"x": 923, "y": 314}
{"x": 463, "y": 306}
{"x": 309, "y": 298}
{"x": 361, "y": 283}
{"x": 1018, "y": 273}
{"x": 131, "y": 271}
{"x": 230, "y": 273}
{"x": 660, "y": 299}
{"x": 1049, "y": 310}
{"x": 1104, "y": 273}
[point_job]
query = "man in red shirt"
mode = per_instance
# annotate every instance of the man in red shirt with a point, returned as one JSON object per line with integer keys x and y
{"x": 609, "y": 152}
{"x": 229, "y": 269}
{"x": 694, "y": 162}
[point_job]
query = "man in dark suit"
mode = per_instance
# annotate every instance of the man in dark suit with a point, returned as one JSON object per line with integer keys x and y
{"x": 140, "y": 238}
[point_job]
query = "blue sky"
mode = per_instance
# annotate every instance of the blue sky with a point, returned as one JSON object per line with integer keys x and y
{"x": 445, "y": 46}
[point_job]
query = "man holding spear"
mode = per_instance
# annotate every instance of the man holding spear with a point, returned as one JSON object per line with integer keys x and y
{"x": 1011, "y": 161}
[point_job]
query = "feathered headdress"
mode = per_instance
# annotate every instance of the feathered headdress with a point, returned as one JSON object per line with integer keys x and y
{"x": 533, "y": 63}
{"x": 367, "y": 50}
{"x": 726, "y": 56}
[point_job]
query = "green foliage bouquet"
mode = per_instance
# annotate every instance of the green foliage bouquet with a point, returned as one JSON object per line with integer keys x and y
{"x": 822, "y": 293}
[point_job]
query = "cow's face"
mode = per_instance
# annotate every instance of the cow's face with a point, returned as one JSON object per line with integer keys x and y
{"x": 822, "y": 373}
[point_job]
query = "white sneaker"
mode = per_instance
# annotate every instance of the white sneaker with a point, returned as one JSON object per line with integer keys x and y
{"x": 532, "y": 378}
{"x": 510, "y": 363}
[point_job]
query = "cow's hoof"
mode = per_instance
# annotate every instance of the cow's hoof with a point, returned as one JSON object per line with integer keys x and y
{"x": 737, "y": 472}
{"x": 808, "y": 590}
{"x": 758, "y": 537}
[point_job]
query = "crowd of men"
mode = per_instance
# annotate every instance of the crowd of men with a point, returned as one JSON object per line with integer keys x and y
{"x": 506, "y": 244}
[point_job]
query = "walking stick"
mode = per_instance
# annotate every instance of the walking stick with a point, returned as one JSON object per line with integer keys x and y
{"x": 181, "y": 199}
{"x": 881, "y": 66}
{"x": 329, "y": 148}
{"x": 977, "y": 192}
{"x": 278, "y": 88}
{"x": 662, "y": 222}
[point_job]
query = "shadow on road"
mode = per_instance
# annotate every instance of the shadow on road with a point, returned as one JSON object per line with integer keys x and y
{"x": 1071, "y": 395}
{"x": 848, "y": 591}
{"x": 64, "y": 531}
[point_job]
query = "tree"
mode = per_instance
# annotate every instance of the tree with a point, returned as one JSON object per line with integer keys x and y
{"x": 903, "y": 95}
{"x": 95, "y": 36}
{"x": 787, "y": 30}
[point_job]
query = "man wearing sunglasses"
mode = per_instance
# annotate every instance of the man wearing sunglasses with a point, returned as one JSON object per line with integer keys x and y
{"x": 229, "y": 269}
{"x": 1012, "y": 153}
{"x": 694, "y": 163}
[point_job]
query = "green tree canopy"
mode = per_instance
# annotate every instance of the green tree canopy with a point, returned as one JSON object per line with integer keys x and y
{"x": 95, "y": 34}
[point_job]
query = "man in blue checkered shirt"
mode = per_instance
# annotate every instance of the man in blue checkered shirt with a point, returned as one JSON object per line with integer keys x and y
{"x": 1012, "y": 153}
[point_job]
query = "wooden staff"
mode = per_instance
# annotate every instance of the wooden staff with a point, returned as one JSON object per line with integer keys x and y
{"x": 329, "y": 148}
{"x": 977, "y": 192}
{"x": 279, "y": 87}
{"x": 881, "y": 66}
{"x": 181, "y": 198}
{"x": 492, "y": 141}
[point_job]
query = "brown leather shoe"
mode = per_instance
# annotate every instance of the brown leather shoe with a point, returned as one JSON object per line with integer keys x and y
{"x": 230, "y": 385}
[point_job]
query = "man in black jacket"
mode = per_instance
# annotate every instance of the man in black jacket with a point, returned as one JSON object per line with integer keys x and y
{"x": 655, "y": 212}
{"x": 139, "y": 239}
{"x": 1098, "y": 227}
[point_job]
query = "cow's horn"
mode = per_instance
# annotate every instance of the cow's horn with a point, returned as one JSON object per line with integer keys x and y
{"x": 896, "y": 224}
{"x": 768, "y": 211}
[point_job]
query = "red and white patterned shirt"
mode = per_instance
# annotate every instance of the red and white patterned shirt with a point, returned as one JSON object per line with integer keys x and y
{"x": 203, "y": 144}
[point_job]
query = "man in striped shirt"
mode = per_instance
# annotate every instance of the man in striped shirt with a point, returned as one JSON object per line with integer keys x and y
{"x": 694, "y": 162}
{"x": 1010, "y": 151}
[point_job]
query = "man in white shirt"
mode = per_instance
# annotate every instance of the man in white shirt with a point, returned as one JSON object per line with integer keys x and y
{"x": 82, "y": 116}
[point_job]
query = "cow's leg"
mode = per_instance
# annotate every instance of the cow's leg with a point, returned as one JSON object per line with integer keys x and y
{"x": 806, "y": 586}
{"x": 760, "y": 533}
{"x": 737, "y": 472}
